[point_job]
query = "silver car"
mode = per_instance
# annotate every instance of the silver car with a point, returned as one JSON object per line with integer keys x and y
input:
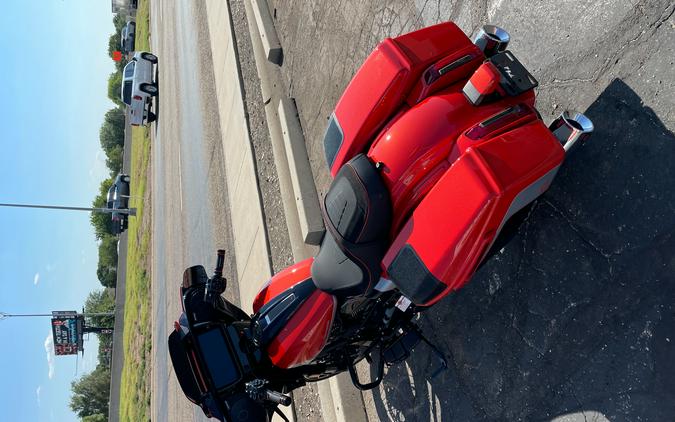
{"x": 139, "y": 86}
{"x": 128, "y": 37}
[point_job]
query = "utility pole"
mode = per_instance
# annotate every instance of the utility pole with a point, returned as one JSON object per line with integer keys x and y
{"x": 129, "y": 211}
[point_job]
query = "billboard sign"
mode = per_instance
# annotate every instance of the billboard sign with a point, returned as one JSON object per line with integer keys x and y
{"x": 67, "y": 332}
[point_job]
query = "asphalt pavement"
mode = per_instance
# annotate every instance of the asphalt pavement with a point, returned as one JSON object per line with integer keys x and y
{"x": 574, "y": 320}
{"x": 190, "y": 211}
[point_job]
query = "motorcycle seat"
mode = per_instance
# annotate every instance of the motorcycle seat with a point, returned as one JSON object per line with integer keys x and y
{"x": 357, "y": 213}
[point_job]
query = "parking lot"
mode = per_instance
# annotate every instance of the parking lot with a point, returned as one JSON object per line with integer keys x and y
{"x": 574, "y": 319}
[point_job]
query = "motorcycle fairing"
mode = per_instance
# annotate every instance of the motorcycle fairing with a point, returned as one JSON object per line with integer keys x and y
{"x": 303, "y": 326}
{"x": 422, "y": 61}
{"x": 469, "y": 204}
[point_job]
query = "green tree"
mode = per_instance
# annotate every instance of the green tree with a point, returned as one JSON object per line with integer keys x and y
{"x": 91, "y": 392}
{"x": 115, "y": 44}
{"x": 99, "y": 417}
{"x": 101, "y": 301}
{"x": 115, "y": 160}
{"x": 112, "y": 130}
{"x": 106, "y": 275}
{"x": 115, "y": 87}
{"x": 102, "y": 222}
{"x": 119, "y": 20}
{"x": 107, "y": 261}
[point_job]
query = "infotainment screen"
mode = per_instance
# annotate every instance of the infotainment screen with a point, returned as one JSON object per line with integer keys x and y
{"x": 219, "y": 360}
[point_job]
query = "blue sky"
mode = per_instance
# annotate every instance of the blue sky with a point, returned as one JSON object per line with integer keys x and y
{"x": 53, "y": 85}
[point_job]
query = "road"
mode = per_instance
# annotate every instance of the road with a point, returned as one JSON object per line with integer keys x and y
{"x": 190, "y": 217}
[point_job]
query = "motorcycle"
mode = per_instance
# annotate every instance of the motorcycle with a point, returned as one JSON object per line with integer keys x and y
{"x": 437, "y": 152}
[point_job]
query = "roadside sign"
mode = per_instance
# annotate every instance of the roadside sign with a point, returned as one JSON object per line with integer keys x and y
{"x": 67, "y": 333}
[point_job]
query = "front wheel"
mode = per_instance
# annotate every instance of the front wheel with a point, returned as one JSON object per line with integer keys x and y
{"x": 149, "y": 57}
{"x": 150, "y": 89}
{"x": 126, "y": 179}
{"x": 151, "y": 117}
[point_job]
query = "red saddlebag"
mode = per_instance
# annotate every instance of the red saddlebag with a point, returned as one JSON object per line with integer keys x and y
{"x": 386, "y": 78}
{"x": 443, "y": 242}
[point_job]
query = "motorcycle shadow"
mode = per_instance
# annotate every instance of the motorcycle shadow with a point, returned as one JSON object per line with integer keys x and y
{"x": 576, "y": 315}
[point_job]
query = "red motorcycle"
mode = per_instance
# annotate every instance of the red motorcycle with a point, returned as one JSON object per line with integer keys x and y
{"x": 437, "y": 151}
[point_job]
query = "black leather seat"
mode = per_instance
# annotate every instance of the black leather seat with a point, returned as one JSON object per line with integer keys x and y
{"x": 357, "y": 213}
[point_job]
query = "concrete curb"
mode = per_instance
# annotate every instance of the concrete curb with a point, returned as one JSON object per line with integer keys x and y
{"x": 306, "y": 198}
{"x": 248, "y": 226}
{"x": 340, "y": 401}
{"x": 268, "y": 34}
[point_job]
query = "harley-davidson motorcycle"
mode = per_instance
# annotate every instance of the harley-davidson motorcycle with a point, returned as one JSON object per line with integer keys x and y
{"x": 436, "y": 152}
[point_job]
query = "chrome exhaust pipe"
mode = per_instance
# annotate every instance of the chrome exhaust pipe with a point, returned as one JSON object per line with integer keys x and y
{"x": 492, "y": 40}
{"x": 570, "y": 127}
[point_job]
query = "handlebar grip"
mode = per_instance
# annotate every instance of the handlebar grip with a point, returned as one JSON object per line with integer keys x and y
{"x": 220, "y": 262}
{"x": 278, "y": 398}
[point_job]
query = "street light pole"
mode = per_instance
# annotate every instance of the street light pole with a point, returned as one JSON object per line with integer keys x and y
{"x": 129, "y": 211}
{"x": 4, "y": 315}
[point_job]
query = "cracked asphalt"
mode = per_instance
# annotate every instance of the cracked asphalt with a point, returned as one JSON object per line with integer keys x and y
{"x": 574, "y": 319}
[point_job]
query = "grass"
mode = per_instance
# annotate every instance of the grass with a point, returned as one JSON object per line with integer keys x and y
{"x": 136, "y": 374}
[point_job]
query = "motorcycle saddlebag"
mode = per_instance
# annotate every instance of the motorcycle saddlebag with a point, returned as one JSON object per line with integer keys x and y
{"x": 385, "y": 80}
{"x": 450, "y": 231}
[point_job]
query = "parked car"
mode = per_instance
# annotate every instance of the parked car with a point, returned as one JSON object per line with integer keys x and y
{"x": 128, "y": 37}
{"x": 139, "y": 86}
{"x": 118, "y": 199}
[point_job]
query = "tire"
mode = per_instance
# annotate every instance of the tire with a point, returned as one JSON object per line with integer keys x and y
{"x": 150, "y": 89}
{"x": 151, "y": 117}
{"x": 149, "y": 57}
{"x": 126, "y": 179}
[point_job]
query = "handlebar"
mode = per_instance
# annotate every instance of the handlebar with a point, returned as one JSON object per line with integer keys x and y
{"x": 257, "y": 391}
{"x": 220, "y": 262}
{"x": 216, "y": 284}
{"x": 277, "y": 398}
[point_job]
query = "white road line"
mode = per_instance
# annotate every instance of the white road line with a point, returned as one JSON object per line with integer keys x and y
{"x": 180, "y": 181}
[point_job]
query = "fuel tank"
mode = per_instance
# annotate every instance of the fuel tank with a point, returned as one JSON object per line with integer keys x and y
{"x": 293, "y": 317}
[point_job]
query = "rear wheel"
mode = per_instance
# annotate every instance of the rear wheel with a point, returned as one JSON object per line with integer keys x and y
{"x": 149, "y": 57}
{"x": 149, "y": 89}
{"x": 126, "y": 179}
{"x": 151, "y": 117}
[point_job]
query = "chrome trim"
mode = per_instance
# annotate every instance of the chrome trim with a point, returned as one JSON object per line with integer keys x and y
{"x": 570, "y": 127}
{"x": 492, "y": 39}
{"x": 384, "y": 285}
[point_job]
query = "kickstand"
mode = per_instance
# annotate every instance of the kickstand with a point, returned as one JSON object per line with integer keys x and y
{"x": 434, "y": 348}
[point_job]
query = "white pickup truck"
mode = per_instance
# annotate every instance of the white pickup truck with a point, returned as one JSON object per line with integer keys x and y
{"x": 138, "y": 87}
